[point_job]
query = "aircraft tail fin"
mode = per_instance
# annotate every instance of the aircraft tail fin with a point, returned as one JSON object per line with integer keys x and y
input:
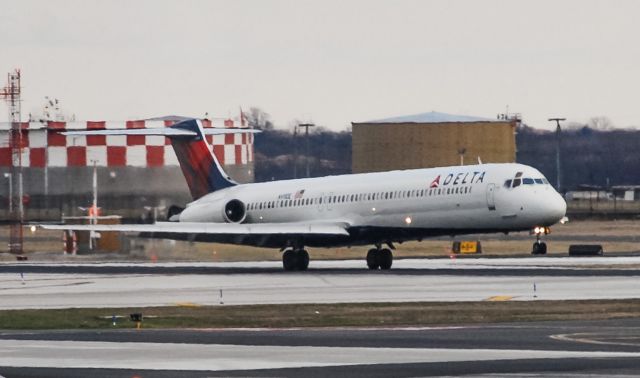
{"x": 201, "y": 169}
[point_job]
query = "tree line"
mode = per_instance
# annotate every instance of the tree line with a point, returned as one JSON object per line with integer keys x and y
{"x": 594, "y": 154}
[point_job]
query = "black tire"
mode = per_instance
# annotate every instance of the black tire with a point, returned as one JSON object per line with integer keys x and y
{"x": 385, "y": 259}
{"x": 289, "y": 260}
{"x": 302, "y": 260}
{"x": 373, "y": 260}
{"x": 539, "y": 248}
{"x": 543, "y": 248}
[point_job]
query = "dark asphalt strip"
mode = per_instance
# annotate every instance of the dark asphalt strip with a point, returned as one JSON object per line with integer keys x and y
{"x": 160, "y": 270}
{"x": 547, "y": 367}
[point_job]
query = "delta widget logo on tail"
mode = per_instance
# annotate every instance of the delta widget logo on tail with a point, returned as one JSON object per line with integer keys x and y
{"x": 461, "y": 178}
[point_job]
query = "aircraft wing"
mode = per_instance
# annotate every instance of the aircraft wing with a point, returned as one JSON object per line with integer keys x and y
{"x": 213, "y": 228}
{"x": 257, "y": 234}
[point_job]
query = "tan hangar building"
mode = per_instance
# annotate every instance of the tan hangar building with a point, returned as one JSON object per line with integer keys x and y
{"x": 431, "y": 140}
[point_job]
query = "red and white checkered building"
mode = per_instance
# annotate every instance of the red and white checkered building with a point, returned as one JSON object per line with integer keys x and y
{"x": 43, "y": 144}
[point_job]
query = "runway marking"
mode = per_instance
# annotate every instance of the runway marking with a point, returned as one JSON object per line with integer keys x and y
{"x": 28, "y": 286}
{"x": 218, "y": 357}
{"x": 589, "y": 338}
{"x": 499, "y": 298}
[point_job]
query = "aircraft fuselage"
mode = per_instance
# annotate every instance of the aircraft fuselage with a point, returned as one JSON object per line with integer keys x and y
{"x": 392, "y": 206}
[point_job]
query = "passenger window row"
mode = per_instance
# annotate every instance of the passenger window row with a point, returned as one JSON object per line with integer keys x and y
{"x": 362, "y": 197}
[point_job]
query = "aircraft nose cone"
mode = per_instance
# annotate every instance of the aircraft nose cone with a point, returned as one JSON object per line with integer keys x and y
{"x": 555, "y": 208}
{"x": 560, "y": 206}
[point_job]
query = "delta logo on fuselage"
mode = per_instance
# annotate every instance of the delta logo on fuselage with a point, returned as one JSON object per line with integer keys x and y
{"x": 458, "y": 179}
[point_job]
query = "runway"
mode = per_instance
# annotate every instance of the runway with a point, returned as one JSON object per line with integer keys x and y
{"x": 544, "y": 348}
{"x": 598, "y": 348}
{"x": 42, "y": 285}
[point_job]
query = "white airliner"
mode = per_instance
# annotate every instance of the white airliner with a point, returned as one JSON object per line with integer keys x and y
{"x": 358, "y": 209}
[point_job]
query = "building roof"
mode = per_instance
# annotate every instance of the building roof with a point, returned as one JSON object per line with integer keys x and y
{"x": 433, "y": 117}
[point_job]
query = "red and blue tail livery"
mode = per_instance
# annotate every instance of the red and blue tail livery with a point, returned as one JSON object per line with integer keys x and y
{"x": 201, "y": 170}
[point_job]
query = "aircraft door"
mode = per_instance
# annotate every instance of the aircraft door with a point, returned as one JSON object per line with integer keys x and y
{"x": 325, "y": 202}
{"x": 491, "y": 202}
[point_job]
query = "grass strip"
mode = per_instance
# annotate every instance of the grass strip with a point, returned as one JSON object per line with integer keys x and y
{"x": 322, "y": 315}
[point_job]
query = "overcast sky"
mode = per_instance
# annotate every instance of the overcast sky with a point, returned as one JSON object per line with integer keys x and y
{"x": 331, "y": 62}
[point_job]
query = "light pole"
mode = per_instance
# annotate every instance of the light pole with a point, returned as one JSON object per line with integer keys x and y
{"x": 10, "y": 177}
{"x": 558, "y": 136}
{"x": 306, "y": 136}
{"x": 461, "y": 152}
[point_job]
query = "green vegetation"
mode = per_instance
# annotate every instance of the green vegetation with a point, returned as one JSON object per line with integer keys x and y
{"x": 322, "y": 315}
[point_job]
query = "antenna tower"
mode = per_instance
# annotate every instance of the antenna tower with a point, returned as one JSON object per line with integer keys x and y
{"x": 11, "y": 94}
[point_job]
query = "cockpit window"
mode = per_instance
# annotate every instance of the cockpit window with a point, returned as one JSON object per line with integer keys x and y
{"x": 519, "y": 180}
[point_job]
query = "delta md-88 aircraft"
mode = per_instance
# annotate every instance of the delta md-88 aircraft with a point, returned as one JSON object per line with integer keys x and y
{"x": 377, "y": 209}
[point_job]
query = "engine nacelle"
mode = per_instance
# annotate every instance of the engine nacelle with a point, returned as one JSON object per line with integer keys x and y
{"x": 234, "y": 211}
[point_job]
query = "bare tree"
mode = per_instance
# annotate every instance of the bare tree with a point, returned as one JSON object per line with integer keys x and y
{"x": 258, "y": 119}
{"x": 600, "y": 123}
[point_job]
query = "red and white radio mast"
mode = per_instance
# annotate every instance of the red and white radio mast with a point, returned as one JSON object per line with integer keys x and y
{"x": 11, "y": 94}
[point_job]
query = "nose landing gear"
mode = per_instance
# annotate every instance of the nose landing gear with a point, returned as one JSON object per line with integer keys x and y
{"x": 540, "y": 247}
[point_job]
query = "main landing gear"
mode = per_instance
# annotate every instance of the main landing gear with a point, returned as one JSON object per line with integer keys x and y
{"x": 295, "y": 259}
{"x": 540, "y": 247}
{"x": 379, "y": 258}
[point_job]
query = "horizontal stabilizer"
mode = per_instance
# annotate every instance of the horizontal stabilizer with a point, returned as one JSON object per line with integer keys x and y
{"x": 168, "y": 132}
{"x": 155, "y": 131}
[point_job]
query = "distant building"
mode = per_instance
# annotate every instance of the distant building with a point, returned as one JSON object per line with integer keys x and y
{"x": 431, "y": 140}
{"x": 626, "y": 192}
{"x": 134, "y": 172}
{"x": 621, "y": 201}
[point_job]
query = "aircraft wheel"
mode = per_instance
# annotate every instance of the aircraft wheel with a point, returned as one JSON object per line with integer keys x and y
{"x": 373, "y": 260}
{"x": 543, "y": 248}
{"x": 289, "y": 260}
{"x": 303, "y": 260}
{"x": 539, "y": 248}
{"x": 386, "y": 259}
